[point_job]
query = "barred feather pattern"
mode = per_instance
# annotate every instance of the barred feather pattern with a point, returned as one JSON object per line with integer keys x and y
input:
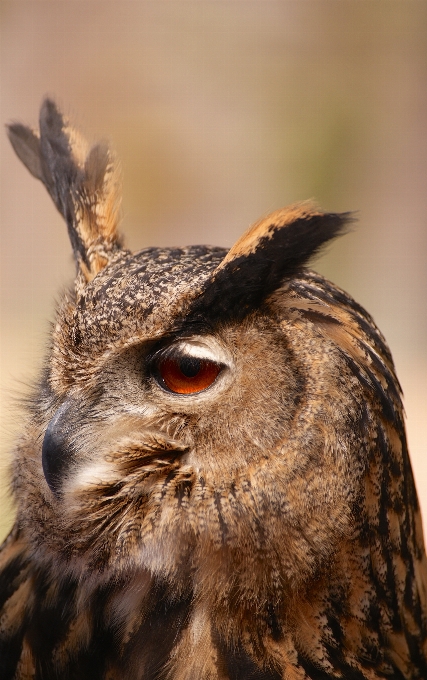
{"x": 361, "y": 614}
{"x": 261, "y": 526}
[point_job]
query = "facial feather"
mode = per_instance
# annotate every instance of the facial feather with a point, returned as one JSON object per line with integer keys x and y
{"x": 263, "y": 526}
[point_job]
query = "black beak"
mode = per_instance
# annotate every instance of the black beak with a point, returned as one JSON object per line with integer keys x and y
{"x": 57, "y": 449}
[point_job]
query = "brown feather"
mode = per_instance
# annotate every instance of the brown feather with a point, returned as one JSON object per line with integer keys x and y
{"x": 264, "y": 527}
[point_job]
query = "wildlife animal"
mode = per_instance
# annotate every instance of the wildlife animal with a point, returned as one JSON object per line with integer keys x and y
{"x": 212, "y": 481}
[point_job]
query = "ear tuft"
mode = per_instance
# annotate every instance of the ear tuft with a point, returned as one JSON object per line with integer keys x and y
{"x": 83, "y": 184}
{"x": 288, "y": 237}
{"x": 26, "y": 145}
{"x": 274, "y": 249}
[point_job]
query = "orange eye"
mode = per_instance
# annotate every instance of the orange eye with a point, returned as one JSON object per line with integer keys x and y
{"x": 188, "y": 375}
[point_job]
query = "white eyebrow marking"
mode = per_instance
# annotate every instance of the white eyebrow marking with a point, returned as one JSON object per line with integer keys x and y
{"x": 204, "y": 348}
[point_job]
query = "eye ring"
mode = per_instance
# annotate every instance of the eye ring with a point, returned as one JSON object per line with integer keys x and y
{"x": 186, "y": 374}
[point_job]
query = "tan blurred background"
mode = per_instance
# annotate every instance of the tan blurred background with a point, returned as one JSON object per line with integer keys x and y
{"x": 220, "y": 112}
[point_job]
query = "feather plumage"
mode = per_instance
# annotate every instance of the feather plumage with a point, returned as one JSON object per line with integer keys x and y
{"x": 263, "y": 527}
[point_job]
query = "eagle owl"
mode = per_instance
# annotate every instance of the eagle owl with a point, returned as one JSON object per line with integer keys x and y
{"x": 212, "y": 481}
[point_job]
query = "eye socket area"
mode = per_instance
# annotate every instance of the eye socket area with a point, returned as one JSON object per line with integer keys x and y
{"x": 186, "y": 374}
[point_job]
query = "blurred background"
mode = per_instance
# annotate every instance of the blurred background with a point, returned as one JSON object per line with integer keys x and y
{"x": 220, "y": 112}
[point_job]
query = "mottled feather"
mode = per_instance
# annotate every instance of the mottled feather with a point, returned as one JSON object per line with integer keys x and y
{"x": 263, "y": 527}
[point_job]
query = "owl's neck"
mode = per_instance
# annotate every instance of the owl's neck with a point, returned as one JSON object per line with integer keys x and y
{"x": 361, "y": 619}
{"x": 353, "y": 622}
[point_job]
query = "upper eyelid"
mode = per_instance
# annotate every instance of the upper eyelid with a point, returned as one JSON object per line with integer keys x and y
{"x": 168, "y": 352}
{"x": 182, "y": 348}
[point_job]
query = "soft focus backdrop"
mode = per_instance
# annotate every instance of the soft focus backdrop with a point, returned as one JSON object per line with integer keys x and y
{"x": 222, "y": 111}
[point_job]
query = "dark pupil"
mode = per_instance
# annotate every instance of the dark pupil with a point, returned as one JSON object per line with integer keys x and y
{"x": 190, "y": 366}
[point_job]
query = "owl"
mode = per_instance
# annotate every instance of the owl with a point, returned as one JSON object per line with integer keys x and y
{"x": 212, "y": 480}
